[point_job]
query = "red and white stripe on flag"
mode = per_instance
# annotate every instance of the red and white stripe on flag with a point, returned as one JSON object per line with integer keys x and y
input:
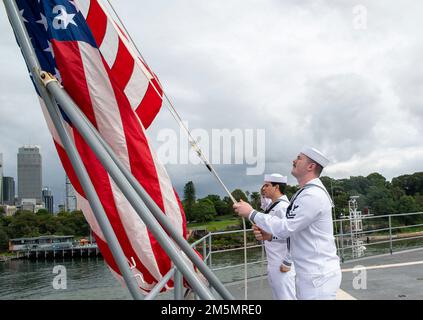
{"x": 132, "y": 75}
{"x": 109, "y": 86}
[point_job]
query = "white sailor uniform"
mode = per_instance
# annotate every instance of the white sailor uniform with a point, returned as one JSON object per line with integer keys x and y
{"x": 309, "y": 225}
{"x": 282, "y": 283}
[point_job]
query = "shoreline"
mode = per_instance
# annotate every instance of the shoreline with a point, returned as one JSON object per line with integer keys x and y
{"x": 5, "y": 258}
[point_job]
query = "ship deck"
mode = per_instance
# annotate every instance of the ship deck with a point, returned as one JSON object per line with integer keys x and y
{"x": 397, "y": 276}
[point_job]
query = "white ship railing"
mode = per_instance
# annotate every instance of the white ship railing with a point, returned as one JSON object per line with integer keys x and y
{"x": 205, "y": 246}
{"x": 379, "y": 234}
{"x": 342, "y": 237}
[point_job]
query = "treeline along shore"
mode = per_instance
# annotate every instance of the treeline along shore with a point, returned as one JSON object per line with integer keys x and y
{"x": 403, "y": 194}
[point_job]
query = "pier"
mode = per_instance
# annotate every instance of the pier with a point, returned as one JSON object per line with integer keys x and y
{"x": 51, "y": 247}
{"x": 52, "y": 253}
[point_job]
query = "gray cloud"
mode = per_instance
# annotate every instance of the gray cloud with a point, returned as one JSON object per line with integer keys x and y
{"x": 341, "y": 113}
{"x": 299, "y": 69}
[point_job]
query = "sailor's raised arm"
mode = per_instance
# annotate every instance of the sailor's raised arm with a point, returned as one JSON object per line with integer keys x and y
{"x": 302, "y": 214}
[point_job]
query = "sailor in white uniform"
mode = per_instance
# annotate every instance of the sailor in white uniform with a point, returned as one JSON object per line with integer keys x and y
{"x": 309, "y": 225}
{"x": 281, "y": 282}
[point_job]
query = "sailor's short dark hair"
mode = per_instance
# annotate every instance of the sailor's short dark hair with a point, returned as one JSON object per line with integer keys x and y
{"x": 282, "y": 186}
{"x": 319, "y": 167}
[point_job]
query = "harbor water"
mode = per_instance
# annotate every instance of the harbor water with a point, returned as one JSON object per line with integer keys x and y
{"x": 89, "y": 278}
{"x": 86, "y": 279}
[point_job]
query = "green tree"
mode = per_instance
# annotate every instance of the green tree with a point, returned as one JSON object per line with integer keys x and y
{"x": 47, "y": 223}
{"x": 397, "y": 193}
{"x": 411, "y": 184}
{"x": 68, "y": 224}
{"x": 255, "y": 200}
{"x": 24, "y": 224}
{"x": 221, "y": 208}
{"x": 213, "y": 197}
{"x": 189, "y": 199}
{"x": 341, "y": 202}
{"x": 29, "y": 224}
{"x": 203, "y": 210}
{"x": 376, "y": 179}
{"x": 380, "y": 200}
{"x": 238, "y": 194}
{"x": 5, "y": 221}
{"x": 338, "y": 194}
{"x": 247, "y": 193}
{"x": 82, "y": 228}
{"x": 43, "y": 212}
{"x": 419, "y": 201}
{"x": 407, "y": 204}
{"x": 4, "y": 239}
{"x": 220, "y": 205}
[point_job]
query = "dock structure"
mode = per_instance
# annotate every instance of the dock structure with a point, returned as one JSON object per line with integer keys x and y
{"x": 46, "y": 253}
{"x": 51, "y": 247}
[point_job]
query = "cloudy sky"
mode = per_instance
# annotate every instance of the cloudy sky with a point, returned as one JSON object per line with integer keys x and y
{"x": 343, "y": 76}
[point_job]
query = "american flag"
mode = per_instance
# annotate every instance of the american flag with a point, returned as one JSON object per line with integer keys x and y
{"x": 79, "y": 43}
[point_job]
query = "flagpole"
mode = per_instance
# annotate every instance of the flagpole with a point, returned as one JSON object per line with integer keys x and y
{"x": 77, "y": 164}
{"x": 192, "y": 141}
{"x": 173, "y": 111}
{"x": 159, "y": 214}
{"x": 69, "y": 107}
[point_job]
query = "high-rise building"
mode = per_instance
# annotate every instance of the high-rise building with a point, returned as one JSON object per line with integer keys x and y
{"x": 48, "y": 199}
{"x": 29, "y": 173}
{"x": 8, "y": 191}
{"x": 70, "y": 201}
{"x": 1, "y": 178}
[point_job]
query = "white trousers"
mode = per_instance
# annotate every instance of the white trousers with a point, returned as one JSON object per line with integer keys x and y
{"x": 282, "y": 283}
{"x": 318, "y": 287}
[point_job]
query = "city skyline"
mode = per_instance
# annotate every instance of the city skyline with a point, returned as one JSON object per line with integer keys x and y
{"x": 48, "y": 199}
{"x": 8, "y": 185}
{"x": 29, "y": 174}
{"x": 11, "y": 183}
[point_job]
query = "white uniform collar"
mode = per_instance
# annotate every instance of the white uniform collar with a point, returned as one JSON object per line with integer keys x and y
{"x": 283, "y": 198}
{"x": 315, "y": 181}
